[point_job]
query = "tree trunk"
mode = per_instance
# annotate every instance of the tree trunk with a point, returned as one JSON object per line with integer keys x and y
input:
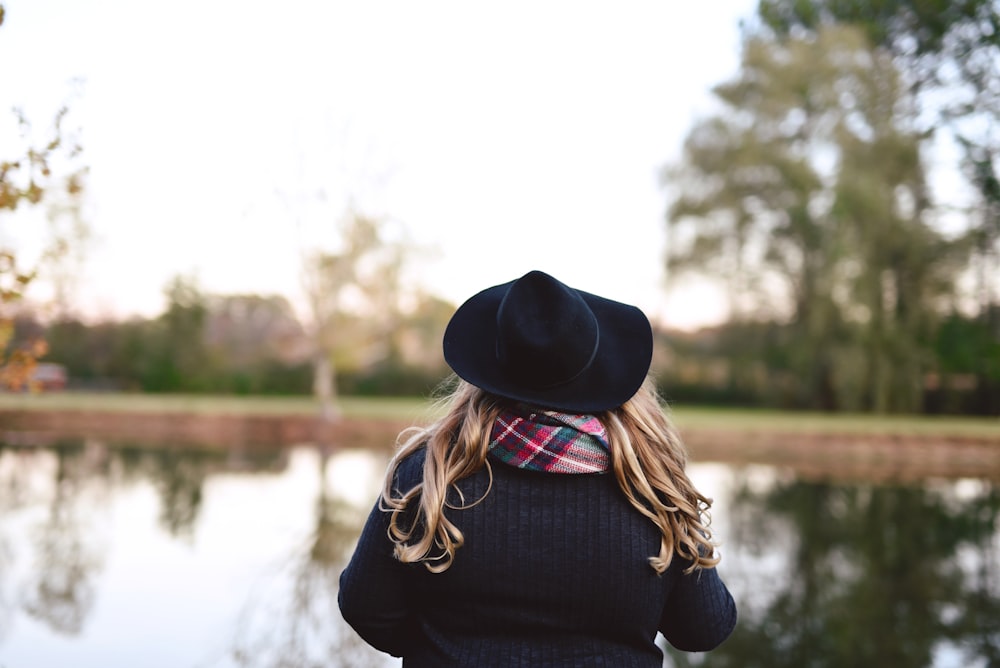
{"x": 325, "y": 388}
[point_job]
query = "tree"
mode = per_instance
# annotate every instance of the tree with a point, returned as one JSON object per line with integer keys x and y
{"x": 354, "y": 298}
{"x": 179, "y": 358}
{"x": 257, "y": 343}
{"x": 49, "y": 173}
{"x": 807, "y": 191}
{"x": 949, "y": 53}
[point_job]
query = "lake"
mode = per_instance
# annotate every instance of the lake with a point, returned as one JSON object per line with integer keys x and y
{"x": 174, "y": 558}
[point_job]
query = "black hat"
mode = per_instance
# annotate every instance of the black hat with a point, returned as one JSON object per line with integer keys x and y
{"x": 539, "y": 341}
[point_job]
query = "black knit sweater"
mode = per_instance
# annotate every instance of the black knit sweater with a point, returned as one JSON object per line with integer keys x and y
{"x": 554, "y": 572}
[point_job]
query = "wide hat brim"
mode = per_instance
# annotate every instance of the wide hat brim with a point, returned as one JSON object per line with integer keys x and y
{"x": 616, "y": 372}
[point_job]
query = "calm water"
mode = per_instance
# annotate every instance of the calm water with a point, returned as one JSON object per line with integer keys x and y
{"x": 126, "y": 558}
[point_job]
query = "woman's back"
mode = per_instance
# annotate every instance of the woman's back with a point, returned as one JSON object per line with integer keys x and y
{"x": 554, "y": 572}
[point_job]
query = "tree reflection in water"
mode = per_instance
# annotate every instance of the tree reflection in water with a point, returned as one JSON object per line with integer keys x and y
{"x": 826, "y": 573}
{"x": 68, "y": 551}
{"x": 179, "y": 477}
{"x": 867, "y": 575}
{"x": 298, "y": 624}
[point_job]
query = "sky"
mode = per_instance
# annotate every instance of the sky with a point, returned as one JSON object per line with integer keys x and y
{"x": 225, "y": 138}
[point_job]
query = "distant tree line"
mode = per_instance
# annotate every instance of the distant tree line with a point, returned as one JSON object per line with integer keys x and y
{"x": 236, "y": 344}
{"x": 255, "y": 345}
{"x": 753, "y": 364}
{"x": 857, "y": 283}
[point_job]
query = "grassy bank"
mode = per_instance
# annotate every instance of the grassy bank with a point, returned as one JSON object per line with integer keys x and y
{"x": 687, "y": 417}
{"x": 211, "y": 404}
{"x": 748, "y": 420}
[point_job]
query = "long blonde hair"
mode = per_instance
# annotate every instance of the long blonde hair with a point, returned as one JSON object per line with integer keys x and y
{"x": 647, "y": 457}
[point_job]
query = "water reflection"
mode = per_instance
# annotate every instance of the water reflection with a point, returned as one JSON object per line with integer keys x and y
{"x": 59, "y": 588}
{"x": 858, "y": 574}
{"x": 179, "y": 476}
{"x": 64, "y": 543}
{"x": 298, "y": 622}
{"x": 132, "y": 556}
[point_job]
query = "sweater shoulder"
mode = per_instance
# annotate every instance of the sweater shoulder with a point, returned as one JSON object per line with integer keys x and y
{"x": 409, "y": 470}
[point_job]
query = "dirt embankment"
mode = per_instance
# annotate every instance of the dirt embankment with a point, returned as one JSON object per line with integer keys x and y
{"x": 882, "y": 457}
{"x": 215, "y": 431}
{"x": 823, "y": 455}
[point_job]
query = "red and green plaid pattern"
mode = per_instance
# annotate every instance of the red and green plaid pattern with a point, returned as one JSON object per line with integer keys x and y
{"x": 550, "y": 441}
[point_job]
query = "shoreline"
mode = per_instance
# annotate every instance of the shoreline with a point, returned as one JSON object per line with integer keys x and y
{"x": 688, "y": 417}
{"x": 799, "y": 446}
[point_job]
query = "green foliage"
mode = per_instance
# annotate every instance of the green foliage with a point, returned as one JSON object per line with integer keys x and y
{"x": 915, "y": 28}
{"x": 392, "y": 379}
{"x": 807, "y": 192}
{"x": 136, "y": 355}
{"x": 967, "y": 373}
{"x": 179, "y": 358}
{"x": 949, "y": 54}
{"x": 236, "y": 345}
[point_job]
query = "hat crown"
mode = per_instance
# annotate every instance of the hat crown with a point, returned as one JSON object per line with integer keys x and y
{"x": 538, "y": 341}
{"x": 547, "y": 334}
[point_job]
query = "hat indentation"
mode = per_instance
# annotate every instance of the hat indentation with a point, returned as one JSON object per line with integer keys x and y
{"x": 547, "y": 334}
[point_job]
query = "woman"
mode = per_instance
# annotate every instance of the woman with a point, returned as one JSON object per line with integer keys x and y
{"x": 546, "y": 518}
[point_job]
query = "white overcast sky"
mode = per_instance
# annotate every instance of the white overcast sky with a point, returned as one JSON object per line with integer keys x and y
{"x": 224, "y": 137}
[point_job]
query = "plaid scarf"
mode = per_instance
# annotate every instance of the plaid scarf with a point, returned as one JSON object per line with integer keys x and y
{"x": 539, "y": 440}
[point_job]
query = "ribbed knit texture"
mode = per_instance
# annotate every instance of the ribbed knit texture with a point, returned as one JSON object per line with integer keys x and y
{"x": 554, "y": 572}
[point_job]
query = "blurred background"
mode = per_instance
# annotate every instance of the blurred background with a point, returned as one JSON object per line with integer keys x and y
{"x": 219, "y": 220}
{"x": 804, "y": 203}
